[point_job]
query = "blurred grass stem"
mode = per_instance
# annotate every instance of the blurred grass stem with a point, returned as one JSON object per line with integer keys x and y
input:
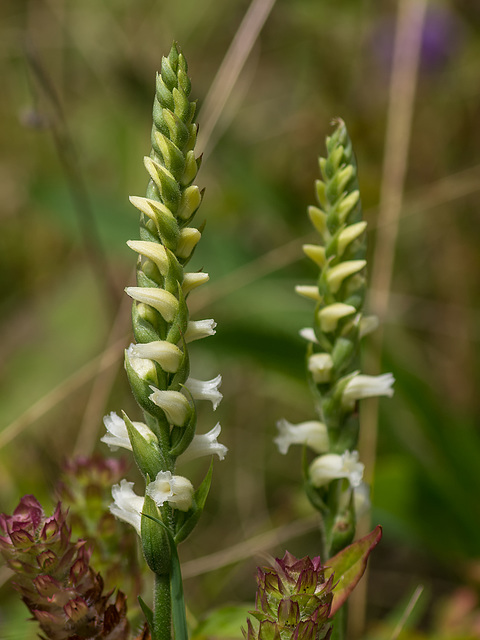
{"x": 230, "y": 69}
{"x": 403, "y": 81}
{"x": 70, "y": 164}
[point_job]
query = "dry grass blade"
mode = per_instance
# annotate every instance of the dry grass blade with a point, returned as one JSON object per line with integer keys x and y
{"x": 406, "y": 614}
{"x": 248, "y": 548}
{"x": 61, "y": 392}
{"x": 231, "y": 67}
{"x": 403, "y": 82}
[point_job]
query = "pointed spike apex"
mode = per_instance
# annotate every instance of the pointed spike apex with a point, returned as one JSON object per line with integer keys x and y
{"x": 168, "y": 74}
{"x": 173, "y": 56}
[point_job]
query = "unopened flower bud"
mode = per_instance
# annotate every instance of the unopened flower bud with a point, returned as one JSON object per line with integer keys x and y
{"x": 152, "y": 250}
{"x": 188, "y": 240}
{"x": 320, "y": 366}
{"x": 193, "y": 280}
{"x": 168, "y": 355}
{"x": 337, "y": 274}
{"x": 349, "y": 234}
{"x": 163, "y": 301}
{"x": 308, "y": 291}
{"x": 190, "y": 200}
{"x": 174, "y": 404}
{"x": 315, "y": 252}
{"x": 331, "y": 314}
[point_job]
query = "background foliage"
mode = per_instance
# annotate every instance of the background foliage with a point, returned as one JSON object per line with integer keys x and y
{"x": 77, "y": 87}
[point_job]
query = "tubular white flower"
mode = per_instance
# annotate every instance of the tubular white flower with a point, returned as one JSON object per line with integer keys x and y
{"x": 176, "y": 490}
{"x": 164, "y": 302}
{"x": 194, "y": 280}
{"x": 330, "y": 315}
{"x": 308, "y": 291}
{"x": 320, "y": 365}
{"x": 127, "y": 506}
{"x": 175, "y": 404}
{"x": 307, "y": 333}
{"x": 188, "y": 240}
{"x": 206, "y": 389}
{"x": 117, "y": 434}
{"x": 152, "y": 250}
{"x": 205, "y": 445}
{"x": 332, "y": 466}
{"x": 313, "y": 434}
{"x": 198, "y": 329}
{"x": 167, "y": 355}
{"x": 362, "y": 386}
{"x": 143, "y": 367}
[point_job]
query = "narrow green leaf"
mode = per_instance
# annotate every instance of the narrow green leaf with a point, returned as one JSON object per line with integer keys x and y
{"x": 193, "y": 515}
{"x": 147, "y": 612}
{"x": 349, "y": 565}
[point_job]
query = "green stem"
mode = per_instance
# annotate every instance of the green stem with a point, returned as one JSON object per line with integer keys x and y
{"x": 340, "y": 624}
{"x": 162, "y": 610}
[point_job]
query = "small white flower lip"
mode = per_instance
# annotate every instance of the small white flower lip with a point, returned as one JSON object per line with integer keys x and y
{"x": 198, "y": 329}
{"x": 174, "y": 404}
{"x": 332, "y": 466}
{"x": 312, "y": 433}
{"x": 127, "y": 506}
{"x": 205, "y": 444}
{"x": 176, "y": 490}
{"x": 206, "y": 389}
{"x": 117, "y": 433}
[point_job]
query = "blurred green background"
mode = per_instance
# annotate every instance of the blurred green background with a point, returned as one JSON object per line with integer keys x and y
{"x": 77, "y": 82}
